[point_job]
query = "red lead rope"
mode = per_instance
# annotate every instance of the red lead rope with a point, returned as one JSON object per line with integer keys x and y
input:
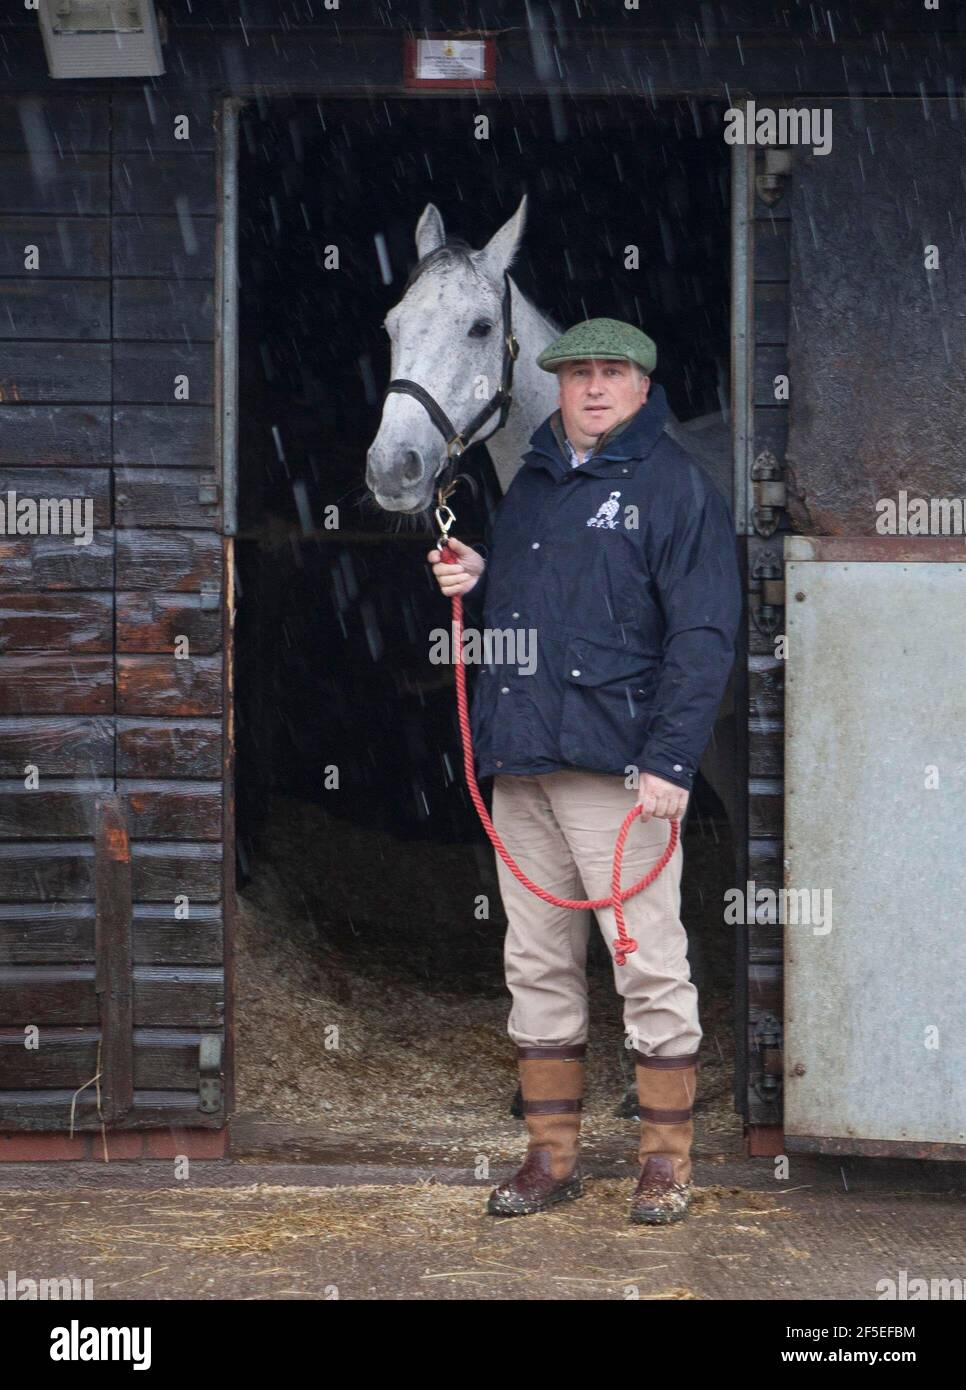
{"x": 624, "y": 944}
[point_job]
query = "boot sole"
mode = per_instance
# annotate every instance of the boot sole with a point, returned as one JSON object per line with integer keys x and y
{"x": 565, "y": 1194}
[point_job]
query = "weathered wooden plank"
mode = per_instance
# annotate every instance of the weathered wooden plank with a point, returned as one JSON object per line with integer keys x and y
{"x": 771, "y": 313}
{"x": 171, "y": 560}
{"x": 770, "y": 362}
{"x": 46, "y": 872}
{"x": 160, "y": 939}
{"x": 57, "y": 486}
{"x": 169, "y": 810}
{"x": 54, "y": 684}
{"x": 766, "y": 747}
{"x": 55, "y": 562}
{"x": 56, "y": 746}
{"x": 676, "y": 55}
{"x": 765, "y": 990}
{"x": 766, "y": 687}
{"x": 113, "y": 913}
{"x": 146, "y": 120}
{"x": 163, "y": 685}
{"x": 147, "y": 371}
{"x": 166, "y": 310}
{"x": 69, "y": 247}
{"x": 51, "y": 994}
{"x": 772, "y": 249}
{"x": 45, "y": 434}
{"x": 163, "y": 1057}
{"x": 168, "y": 748}
{"x": 164, "y": 436}
{"x": 57, "y": 684}
{"x": 75, "y": 183}
{"x": 765, "y": 939}
{"x": 165, "y": 183}
{"x": 70, "y": 121}
{"x": 179, "y": 995}
{"x": 163, "y": 872}
{"x": 64, "y": 1057}
{"x": 78, "y": 309}
{"x": 56, "y": 622}
{"x": 58, "y": 808}
{"x": 154, "y": 622}
{"x": 765, "y": 862}
{"x": 771, "y": 428}
{"x": 51, "y": 1109}
{"x": 165, "y": 497}
{"x": 167, "y": 1058}
{"x": 55, "y": 372}
{"x": 180, "y": 247}
{"x": 766, "y": 807}
{"x": 46, "y": 933}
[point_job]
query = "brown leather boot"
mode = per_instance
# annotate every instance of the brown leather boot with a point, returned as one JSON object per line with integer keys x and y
{"x": 552, "y": 1083}
{"x": 665, "y": 1090}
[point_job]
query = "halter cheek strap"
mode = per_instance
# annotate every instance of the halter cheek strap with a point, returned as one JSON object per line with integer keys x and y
{"x": 457, "y": 441}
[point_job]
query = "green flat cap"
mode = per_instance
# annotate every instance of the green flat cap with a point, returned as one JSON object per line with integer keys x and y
{"x": 601, "y": 338}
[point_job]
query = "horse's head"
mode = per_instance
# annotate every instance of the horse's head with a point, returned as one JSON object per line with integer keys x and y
{"x": 446, "y": 334}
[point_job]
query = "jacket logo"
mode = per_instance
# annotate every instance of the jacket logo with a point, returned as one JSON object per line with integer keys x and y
{"x": 606, "y": 513}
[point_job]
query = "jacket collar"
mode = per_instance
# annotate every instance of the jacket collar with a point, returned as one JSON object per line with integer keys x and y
{"x": 631, "y": 440}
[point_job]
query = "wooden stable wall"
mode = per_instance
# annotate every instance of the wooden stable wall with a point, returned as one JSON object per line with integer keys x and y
{"x": 761, "y": 1100}
{"x": 124, "y": 217}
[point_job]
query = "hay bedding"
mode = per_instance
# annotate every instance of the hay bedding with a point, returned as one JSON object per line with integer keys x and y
{"x": 345, "y": 928}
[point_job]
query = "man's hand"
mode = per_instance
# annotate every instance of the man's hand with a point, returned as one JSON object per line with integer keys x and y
{"x": 661, "y": 799}
{"x": 461, "y": 577}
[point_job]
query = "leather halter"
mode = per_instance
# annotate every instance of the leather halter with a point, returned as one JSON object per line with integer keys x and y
{"x": 456, "y": 440}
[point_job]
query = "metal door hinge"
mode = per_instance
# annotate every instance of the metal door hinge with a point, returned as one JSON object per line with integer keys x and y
{"x": 766, "y": 593}
{"x": 209, "y": 1073}
{"x": 208, "y": 492}
{"x": 768, "y": 1042}
{"x": 768, "y": 493}
{"x": 774, "y": 172}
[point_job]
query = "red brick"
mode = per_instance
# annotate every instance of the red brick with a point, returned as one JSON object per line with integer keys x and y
{"x": 764, "y": 1141}
{"x": 41, "y": 1148}
{"x": 194, "y": 1143}
{"x": 120, "y": 1144}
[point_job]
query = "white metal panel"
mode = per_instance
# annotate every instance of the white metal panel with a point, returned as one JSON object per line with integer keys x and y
{"x": 875, "y": 812}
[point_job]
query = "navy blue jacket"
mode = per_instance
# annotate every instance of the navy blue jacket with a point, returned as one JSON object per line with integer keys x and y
{"x": 625, "y": 572}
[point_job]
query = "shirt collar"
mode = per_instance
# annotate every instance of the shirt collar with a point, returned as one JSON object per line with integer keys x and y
{"x": 575, "y": 462}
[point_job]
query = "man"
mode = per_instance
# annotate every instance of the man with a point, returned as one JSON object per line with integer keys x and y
{"x": 616, "y": 552}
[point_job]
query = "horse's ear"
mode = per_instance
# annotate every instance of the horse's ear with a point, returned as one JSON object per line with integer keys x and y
{"x": 429, "y": 231}
{"x": 499, "y": 252}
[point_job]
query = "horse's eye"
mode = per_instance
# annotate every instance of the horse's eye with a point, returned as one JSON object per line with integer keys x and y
{"x": 480, "y": 329}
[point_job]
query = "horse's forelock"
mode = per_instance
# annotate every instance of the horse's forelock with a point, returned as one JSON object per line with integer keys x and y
{"x": 454, "y": 251}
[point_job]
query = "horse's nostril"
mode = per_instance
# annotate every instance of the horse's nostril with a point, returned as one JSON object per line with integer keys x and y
{"x": 412, "y": 469}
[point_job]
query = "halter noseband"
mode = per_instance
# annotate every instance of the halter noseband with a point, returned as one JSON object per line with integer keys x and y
{"x": 457, "y": 441}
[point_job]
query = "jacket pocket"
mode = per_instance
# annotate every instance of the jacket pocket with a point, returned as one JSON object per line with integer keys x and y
{"x": 606, "y": 703}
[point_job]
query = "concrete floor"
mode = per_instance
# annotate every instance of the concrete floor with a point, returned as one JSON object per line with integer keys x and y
{"x": 415, "y": 1228}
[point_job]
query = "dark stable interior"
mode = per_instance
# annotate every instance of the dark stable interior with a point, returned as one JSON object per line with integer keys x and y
{"x": 382, "y": 876}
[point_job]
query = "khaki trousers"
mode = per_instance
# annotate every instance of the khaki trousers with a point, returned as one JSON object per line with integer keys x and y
{"x": 560, "y": 827}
